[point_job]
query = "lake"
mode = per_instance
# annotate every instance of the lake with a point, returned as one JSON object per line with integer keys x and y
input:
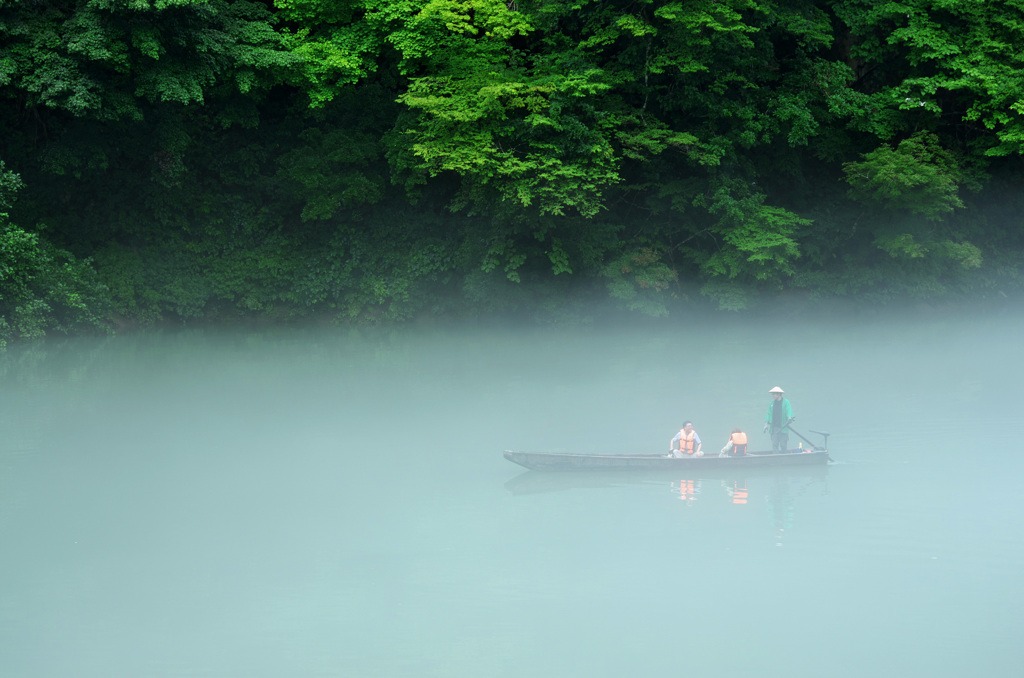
{"x": 334, "y": 502}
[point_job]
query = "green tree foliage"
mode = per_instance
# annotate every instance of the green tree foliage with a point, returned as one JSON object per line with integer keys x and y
{"x": 376, "y": 159}
{"x": 918, "y": 175}
{"x": 105, "y": 58}
{"x": 567, "y": 107}
{"x": 918, "y": 178}
{"x": 931, "y": 58}
{"x": 42, "y": 289}
{"x": 638, "y": 280}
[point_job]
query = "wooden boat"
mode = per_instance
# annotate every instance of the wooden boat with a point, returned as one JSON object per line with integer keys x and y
{"x": 551, "y": 461}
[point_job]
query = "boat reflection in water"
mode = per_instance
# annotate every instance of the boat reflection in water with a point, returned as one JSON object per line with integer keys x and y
{"x": 688, "y": 485}
{"x": 689, "y": 489}
{"x": 774, "y": 488}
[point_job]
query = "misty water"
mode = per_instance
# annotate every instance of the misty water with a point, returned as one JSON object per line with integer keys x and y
{"x": 335, "y": 503}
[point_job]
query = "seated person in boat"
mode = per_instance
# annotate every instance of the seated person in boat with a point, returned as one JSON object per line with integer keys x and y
{"x": 737, "y": 443}
{"x": 685, "y": 443}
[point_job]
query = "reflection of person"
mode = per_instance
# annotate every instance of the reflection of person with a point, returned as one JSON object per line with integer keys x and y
{"x": 737, "y": 443}
{"x": 780, "y": 412}
{"x": 688, "y": 491}
{"x": 782, "y": 502}
{"x": 689, "y": 442}
{"x": 738, "y": 493}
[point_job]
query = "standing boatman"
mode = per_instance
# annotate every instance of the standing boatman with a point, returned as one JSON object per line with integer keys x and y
{"x": 780, "y": 414}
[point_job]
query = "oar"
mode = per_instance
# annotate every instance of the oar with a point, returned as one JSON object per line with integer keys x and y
{"x": 767, "y": 428}
{"x": 798, "y": 433}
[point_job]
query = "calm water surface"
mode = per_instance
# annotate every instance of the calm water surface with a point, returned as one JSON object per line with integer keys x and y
{"x": 334, "y": 503}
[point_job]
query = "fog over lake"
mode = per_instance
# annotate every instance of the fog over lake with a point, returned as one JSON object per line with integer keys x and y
{"x": 334, "y": 502}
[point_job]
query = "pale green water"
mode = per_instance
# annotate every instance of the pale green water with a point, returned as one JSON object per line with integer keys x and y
{"x": 334, "y": 504}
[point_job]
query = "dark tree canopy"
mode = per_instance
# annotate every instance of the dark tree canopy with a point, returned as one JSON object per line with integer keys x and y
{"x": 373, "y": 160}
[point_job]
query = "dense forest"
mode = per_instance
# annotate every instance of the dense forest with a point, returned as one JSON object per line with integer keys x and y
{"x": 368, "y": 161}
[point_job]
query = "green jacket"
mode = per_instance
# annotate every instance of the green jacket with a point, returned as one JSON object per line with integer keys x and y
{"x": 787, "y": 412}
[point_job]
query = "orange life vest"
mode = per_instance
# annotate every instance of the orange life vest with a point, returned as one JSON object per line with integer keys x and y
{"x": 739, "y": 443}
{"x": 685, "y": 441}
